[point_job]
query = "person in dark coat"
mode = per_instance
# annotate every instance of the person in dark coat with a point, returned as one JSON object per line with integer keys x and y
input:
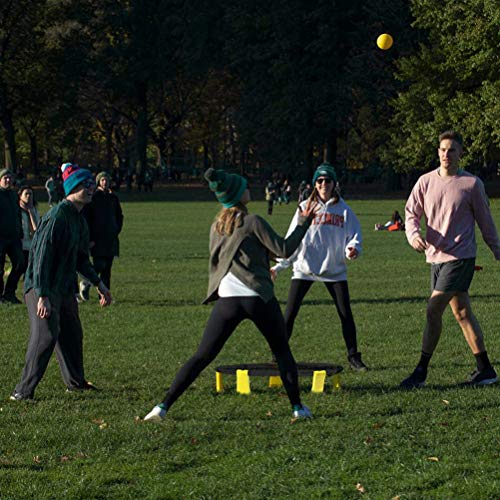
{"x": 11, "y": 235}
{"x": 105, "y": 220}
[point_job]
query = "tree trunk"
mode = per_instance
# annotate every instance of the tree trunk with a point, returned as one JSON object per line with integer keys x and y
{"x": 330, "y": 148}
{"x": 34, "y": 155}
{"x": 10, "y": 141}
{"x": 142, "y": 127}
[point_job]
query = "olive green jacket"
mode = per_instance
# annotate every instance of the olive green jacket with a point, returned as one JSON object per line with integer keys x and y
{"x": 246, "y": 252}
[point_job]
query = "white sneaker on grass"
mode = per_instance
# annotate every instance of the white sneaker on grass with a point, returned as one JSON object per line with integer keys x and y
{"x": 302, "y": 412}
{"x": 157, "y": 414}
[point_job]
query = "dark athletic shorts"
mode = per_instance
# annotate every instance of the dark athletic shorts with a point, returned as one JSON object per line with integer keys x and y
{"x": 453, "y": 276}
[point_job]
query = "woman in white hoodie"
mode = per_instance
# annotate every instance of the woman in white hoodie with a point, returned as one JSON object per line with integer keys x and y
{"x": 334, "y": 236}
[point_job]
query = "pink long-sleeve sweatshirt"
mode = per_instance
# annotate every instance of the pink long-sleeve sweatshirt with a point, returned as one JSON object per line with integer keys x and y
{"x": 451, "y": 205}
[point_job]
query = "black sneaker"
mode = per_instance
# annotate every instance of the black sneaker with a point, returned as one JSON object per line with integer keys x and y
{"x": 484, "y": 377}
{"x": 11, "y": 298}
{"x": 415, "y": 380}
{"x": 355, "y": 362}
{"x": 17, "y": 396}
{"x": 87, "y": 386}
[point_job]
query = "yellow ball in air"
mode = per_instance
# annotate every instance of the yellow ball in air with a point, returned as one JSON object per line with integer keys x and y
{"x": 385, "y": 41}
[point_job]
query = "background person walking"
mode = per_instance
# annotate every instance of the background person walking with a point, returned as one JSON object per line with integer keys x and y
{"x": 452, "y": 201}
{"x": 240, "y": 283}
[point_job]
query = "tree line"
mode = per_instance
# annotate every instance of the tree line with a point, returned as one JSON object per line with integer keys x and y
{"x": 282, "y": 84}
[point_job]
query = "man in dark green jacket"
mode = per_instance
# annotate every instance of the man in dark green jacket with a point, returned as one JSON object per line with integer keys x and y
{"x": 59, "y": 251}
{"x": 11, "y": 234}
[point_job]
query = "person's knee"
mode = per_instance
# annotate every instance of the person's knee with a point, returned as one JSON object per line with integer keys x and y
{"x": 434, "y": 313}
{"x": 462, "y": 314}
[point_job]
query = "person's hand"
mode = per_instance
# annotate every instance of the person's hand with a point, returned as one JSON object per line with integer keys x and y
{"x": 105, "y": 297}
{"x": 310, "y": 209}
{"x": 44, "y": 308}
{"x": 419, "y": 244}
{"x": 274, "y": 274}
{"x": 352, "y": 253}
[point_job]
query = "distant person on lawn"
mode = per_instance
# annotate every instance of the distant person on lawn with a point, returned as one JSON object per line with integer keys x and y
{"x": 11, "y": 235}
{"x": 333, "y": 238}
{"x": 452, "y": 201}
{"x": 104, "y": 217}
{"x": 240, "y": 283}
{"x": 30, "y": 219}
{"x": 59, "y": 251}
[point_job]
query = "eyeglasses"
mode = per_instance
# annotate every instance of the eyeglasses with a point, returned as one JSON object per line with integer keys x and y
{"x": 325, "y": 180}
{"x": 88, "y": 183}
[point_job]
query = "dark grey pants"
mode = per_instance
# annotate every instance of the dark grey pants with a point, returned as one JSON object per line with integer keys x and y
{"x": 62, "y": 331}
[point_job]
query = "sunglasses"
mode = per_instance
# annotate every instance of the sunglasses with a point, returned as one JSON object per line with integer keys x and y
{"x": 324, "y": 180}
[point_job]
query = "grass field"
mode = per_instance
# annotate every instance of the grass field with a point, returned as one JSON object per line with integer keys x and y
{"x": 369, "y": 440}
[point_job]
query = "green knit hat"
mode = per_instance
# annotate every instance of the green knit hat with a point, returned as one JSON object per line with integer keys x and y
{"x": 100, "y": 175}
{"x": 5, "y": 171}
{"x": 325, "y": 170}
{"x": 228, "y": 188}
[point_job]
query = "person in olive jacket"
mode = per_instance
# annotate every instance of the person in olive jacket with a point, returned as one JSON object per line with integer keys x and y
{"x": 59, "y": 251}
{"x": 11, "y": 235}
{"x": 240, "y": 283}
{"x": 105, "y": 220}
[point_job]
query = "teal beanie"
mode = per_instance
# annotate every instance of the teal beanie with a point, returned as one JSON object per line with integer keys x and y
{"x": 228, "y": 188}
{"x": 325, "y": 170}
{"x": 72, "y": 175}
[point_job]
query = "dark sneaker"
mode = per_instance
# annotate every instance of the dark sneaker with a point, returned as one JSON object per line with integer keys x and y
{"x": 484, "y": 377}
{"x": 87, "y": 386}
{"x": 355, "y": 362}
{"x": 17, "y": 396}
{"x": 301, "y": 412}
{"x": 415, "y": 380}
{"x": 12, "y": 299}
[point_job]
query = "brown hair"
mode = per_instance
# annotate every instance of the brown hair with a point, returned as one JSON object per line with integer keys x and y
{"x": 452, "y": 136}
{"x": 230, "y": 218}
{"x": 335, "y": 194}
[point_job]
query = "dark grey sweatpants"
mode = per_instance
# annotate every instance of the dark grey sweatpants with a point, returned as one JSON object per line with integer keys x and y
{"x": 62, "y": 331}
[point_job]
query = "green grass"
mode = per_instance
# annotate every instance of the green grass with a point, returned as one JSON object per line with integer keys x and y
{"x": 441, "y": 442}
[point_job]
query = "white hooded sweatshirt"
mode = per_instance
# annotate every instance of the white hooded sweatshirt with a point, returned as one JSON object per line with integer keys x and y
{"x": 323, "y": 252}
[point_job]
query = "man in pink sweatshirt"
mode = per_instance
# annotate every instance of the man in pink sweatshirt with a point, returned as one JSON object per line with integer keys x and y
{"x": 452, "y": 201}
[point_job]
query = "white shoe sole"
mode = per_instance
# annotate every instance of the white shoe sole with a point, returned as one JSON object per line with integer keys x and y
{"x": 155, "y": 415}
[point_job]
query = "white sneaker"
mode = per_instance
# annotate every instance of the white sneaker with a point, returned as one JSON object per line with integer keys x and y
{"x": 84, "y": 290}
{"x": 157, "y": 414}
{"x": 303, "y": 412}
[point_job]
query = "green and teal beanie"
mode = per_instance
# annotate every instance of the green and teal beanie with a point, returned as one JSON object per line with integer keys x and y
{"x": 325, "y": 170}
{"x": 228, "y": 188}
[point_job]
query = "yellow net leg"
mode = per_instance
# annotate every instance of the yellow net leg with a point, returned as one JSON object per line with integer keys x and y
{"x": 242, "y": 382}
{"x": 336, "y": 382}
{"x": 219, "y": 385}
{"x": 275, "y": 381}
{"x": 318, "y": 383}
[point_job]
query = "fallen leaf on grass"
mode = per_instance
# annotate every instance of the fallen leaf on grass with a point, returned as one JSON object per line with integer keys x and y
{"x": 269, "y": 414}
{"x": 137, "y": 419}
{"x": 98, "y": 421}
{"x": 378, "y": 425}
{"x": 368, "y": 440}
{"x": 104, "y": 425}
{"x": 360, "y": 488}
{"x": 293, "y": 420}
{"x": 446, "y": 402}
{"x": 433, "y": 459}
{"x": 37, "y": 459}
{"x": 65, "y": 458}
{"x": 194, "y": 441}
{"x": 397, "y": 497}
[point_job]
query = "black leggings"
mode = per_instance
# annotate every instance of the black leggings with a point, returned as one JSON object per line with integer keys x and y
{"x": 226, "y": 315}
{"x": 340, "y": 295}
{"x": 102, "y": 266}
